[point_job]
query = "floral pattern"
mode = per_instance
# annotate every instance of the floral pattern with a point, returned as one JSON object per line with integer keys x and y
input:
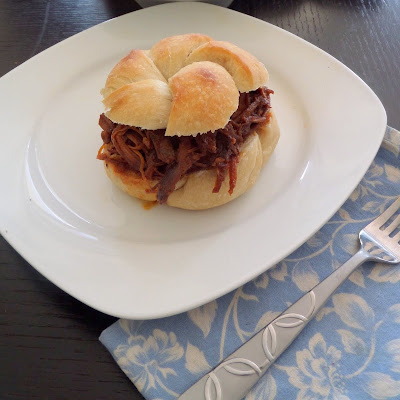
{"x": 146, "y": 360}
{"x": 316, "y": 374}
{"x": 351, "y": 350}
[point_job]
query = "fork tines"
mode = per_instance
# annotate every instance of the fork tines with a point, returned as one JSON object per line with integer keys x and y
{"x": 380, "y": 221}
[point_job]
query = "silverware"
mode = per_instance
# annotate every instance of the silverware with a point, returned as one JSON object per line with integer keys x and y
{"x": 238, "y": 373}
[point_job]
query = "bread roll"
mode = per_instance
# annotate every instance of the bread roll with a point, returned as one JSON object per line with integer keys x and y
{"x": 209, "y": 89}
{"x": 204, "y": 96}
{"x": 194, "y": 191}
{"x": 135, "y": 67}
{"x": 247, "y": 72}
{"x": 170, "y": 54}
{"x": 146, "y": 104}
{"x": 188, "y": 85}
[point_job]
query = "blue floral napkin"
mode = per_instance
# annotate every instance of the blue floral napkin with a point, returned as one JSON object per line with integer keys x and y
{"x": 350, "y": 351}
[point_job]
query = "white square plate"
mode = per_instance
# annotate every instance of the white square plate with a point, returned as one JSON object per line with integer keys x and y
{"x": 63, "y": 215}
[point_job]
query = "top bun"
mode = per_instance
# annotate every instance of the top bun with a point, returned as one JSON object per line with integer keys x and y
{"x": 186, "y": 84}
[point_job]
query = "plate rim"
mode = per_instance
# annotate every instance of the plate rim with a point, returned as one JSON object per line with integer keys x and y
{"x": 178, "y": 309}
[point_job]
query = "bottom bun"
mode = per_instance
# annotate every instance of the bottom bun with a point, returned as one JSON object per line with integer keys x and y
{"x": 194, "y": 192}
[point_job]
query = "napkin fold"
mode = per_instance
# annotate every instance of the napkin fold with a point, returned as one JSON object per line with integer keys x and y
{"x": 351, "y": 350}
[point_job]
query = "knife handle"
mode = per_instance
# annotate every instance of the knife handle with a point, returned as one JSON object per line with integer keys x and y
{"x": 233, "y": 378}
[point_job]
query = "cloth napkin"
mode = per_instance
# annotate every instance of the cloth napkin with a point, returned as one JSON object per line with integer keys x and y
{"x": 351, "y": 350}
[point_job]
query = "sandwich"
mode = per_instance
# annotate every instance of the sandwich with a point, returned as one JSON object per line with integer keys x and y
{"x": 188, "y": 123}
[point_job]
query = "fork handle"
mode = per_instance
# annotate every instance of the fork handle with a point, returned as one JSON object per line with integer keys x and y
{"x": 324, "y": 290}
{"x": 237, "y": 374}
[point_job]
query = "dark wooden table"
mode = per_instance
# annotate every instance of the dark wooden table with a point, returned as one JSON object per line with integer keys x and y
{"x": 49, "y": 346}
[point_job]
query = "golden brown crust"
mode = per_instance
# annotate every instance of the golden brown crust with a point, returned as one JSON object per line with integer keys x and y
{"x": 204, "y": 96}
{"x": 247, "y": 72}
{"x": 170, "y": 54}
{"x": 229, "y": 69}
{"x": 135, "y": 67}
{"x": 146, "y": 104}
{"x": 194, "y": 192}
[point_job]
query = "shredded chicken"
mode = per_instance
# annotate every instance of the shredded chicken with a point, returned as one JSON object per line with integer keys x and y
{"x": 168, "y": 159}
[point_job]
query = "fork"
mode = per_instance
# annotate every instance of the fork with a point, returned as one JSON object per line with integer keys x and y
{"x": 238, "y": 373}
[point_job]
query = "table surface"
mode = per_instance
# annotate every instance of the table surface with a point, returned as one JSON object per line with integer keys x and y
{"x": 49, "y": 346}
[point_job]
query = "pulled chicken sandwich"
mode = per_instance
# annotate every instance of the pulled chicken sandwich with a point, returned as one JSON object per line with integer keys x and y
{"x": 188, "y": 123}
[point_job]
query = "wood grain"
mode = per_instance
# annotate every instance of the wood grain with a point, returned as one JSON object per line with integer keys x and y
{"x": 359, "y": 33}
{"x": 49, "y": 346}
